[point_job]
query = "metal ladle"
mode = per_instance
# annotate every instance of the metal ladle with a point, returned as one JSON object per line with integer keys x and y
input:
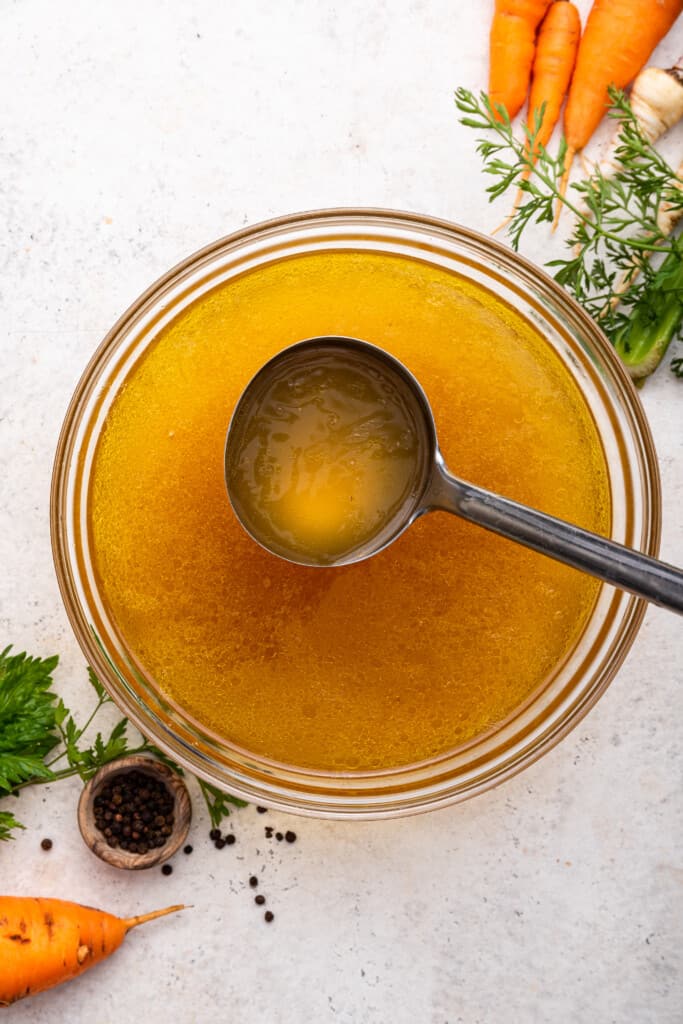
{"x": 434, "y": 487}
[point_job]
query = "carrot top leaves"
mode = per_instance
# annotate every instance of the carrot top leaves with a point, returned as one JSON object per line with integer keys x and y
{"x": 617, "y": 226}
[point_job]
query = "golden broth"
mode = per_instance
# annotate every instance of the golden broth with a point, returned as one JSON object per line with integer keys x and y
{"x": 372, "y": 665}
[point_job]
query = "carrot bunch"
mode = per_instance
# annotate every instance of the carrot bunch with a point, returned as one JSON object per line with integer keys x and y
{"x": 539, "y": 42}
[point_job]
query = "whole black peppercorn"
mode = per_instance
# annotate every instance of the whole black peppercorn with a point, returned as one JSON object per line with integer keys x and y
{"x": 187, "y": 849}
{"x": 268, "y": 916}
{"x": 261, "y": 810}
{"x": 214, "y": 834}
{"x": 167, "y": 869}
{"x": 253, "y": 881}
{"x": 279, "y": 836}
{"x": 46, "y": 844}
{"x": 230, "y": 839}
{"x": 290, "y": 837}
{"x": 219, "y": 843}
{"x": 260, "y": 899}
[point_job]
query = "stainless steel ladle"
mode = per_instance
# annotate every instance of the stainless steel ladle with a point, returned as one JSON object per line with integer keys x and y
{"x": 435, "y": 487}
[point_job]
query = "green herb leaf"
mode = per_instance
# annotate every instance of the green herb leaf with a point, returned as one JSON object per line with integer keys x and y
{"x": 16, "y": 769}
{"x": 28, "y": 728}
{"x": 219, "y": 804}
{"x": 102, "y": 694}
{"x": 7, "y": 825}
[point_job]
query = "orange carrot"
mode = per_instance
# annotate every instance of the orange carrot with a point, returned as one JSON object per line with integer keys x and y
{"x": 558, "y": 41}
{"x": 44, "y": 942}
{"x": 619, "y": 37}
{"x": 512, "y": 46}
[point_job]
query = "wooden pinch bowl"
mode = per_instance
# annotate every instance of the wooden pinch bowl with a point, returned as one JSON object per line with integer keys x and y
{"x": 182, "y": 813}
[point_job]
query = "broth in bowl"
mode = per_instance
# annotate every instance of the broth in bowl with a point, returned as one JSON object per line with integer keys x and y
{"x": 386, "y": 662}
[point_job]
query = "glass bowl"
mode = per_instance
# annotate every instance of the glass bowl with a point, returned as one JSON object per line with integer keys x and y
{"x": 574, "y": 686}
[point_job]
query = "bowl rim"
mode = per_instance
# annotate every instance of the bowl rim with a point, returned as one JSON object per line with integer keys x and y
{"x": 632, "y": 615}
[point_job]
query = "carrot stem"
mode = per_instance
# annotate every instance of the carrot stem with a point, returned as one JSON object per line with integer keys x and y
{"x": 561, "y": 199}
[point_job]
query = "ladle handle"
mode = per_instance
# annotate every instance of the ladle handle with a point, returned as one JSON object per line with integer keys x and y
{"x": 622, "y": 567}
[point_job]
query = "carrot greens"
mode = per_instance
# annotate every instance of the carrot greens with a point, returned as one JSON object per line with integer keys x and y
{"x": 623, "y": 267}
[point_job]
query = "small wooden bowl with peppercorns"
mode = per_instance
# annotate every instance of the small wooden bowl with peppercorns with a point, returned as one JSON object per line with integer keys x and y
{"x": 134, "y": 813}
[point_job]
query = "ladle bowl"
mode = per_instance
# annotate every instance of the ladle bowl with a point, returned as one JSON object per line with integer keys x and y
{"x": 432, "y": 486}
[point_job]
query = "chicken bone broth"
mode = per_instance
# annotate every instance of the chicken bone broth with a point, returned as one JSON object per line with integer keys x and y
{"x": 391, "y": 660}
{"x": 324, "y": 452}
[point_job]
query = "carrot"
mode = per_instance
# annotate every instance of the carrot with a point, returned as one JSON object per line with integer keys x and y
{"x": 619, "y": 37}
{"x": 512, "y": 46}
{"x": 44, "y": 942}
{"x": 558, "y": 41}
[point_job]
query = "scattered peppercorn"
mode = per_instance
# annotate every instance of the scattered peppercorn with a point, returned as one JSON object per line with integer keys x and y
{"x": 260, "y": 900}
{"x": 253, "y": 881}
{"x": 268, "y": 916}
{"x": 230, "y": 839}
{"x": 219, "y": 843}
{"x": 134, "y": 811}
{"x": 187, "y": 849}
{"x": 279, "y": 836}
{"x": 261, "y": 810}
{"x": 269, "y": 831}
{"x": 46, "y": 844}
{"x": 215, "y": 833}
{"x": 290, "y": 837}
{"x": 167, "y": 869}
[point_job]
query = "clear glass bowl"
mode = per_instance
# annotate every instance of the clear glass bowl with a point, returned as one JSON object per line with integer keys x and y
{"x": 564, "y": 698}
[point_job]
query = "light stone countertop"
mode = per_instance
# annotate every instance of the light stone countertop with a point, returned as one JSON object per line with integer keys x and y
{"x": 131, "y": 135}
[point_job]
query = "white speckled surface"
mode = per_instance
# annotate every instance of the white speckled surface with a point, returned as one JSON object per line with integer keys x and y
{"x": 132, "y": 134}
